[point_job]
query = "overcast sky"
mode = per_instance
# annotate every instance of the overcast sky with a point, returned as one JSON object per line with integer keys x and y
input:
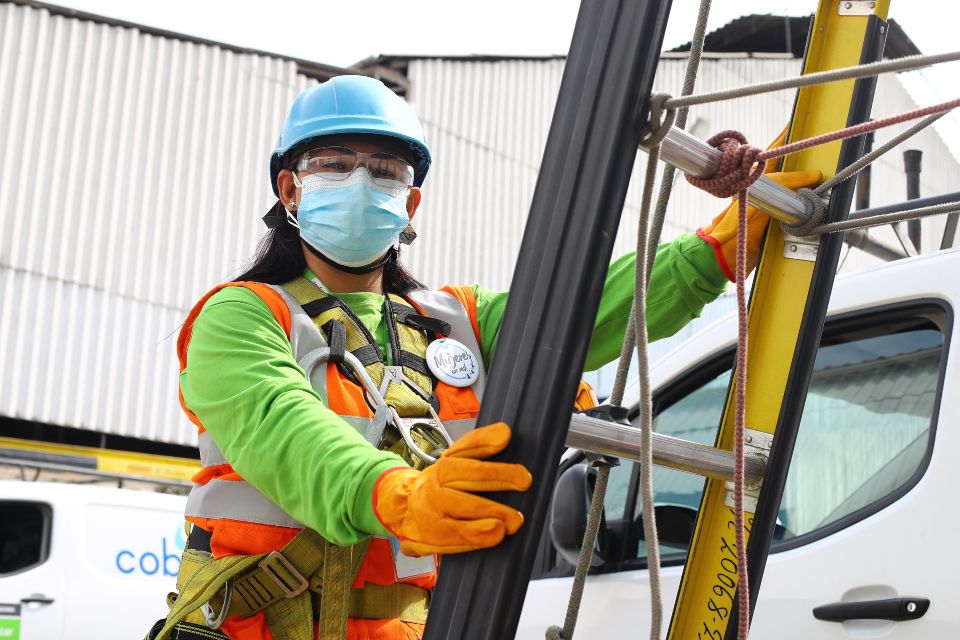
{"x": 344, "y": 32}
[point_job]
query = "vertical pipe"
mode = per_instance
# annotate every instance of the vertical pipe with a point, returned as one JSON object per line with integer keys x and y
{"x": 863, "y": 178}
{"x": 601, "y": 111}
{"x": 911, "y": 166}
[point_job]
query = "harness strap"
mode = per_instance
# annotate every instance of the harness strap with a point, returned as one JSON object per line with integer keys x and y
{"x": 187, "y": 631}
{"x": 199, "y": 580}
{"x": 418, "y": 321}
{"x": 278, "y": 583}
{"x": 410, "y": 397}
{"x": 404, "y": 601}
{"x": 338, "y": 339}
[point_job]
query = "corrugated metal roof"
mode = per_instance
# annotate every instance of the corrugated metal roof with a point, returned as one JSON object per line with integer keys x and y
{"x": 307, "y": 67}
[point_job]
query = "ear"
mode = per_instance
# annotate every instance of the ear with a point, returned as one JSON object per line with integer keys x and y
{"x": 413, "y": 201}
{"x": 288, "y": 190}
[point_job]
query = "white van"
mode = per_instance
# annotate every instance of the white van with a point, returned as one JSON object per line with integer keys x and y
{"x": 868, "y": 516}
{"x": 85, "y": 563}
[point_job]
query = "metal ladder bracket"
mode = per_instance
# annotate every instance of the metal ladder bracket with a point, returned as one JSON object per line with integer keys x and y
{"x": 756, "y": 446}
{"x": 857, "y": 8}
{"x": 800, "y": 248}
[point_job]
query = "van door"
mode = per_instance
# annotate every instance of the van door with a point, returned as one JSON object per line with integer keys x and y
{"x": 31, "y": 573}
{"x": 866, "y": 545}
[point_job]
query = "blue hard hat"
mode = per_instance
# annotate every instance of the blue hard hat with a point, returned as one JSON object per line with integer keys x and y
{"x": 349, "y": 104}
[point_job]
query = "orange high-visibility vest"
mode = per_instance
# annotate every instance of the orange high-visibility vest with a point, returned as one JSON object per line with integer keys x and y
{"x": 243, "y": 521}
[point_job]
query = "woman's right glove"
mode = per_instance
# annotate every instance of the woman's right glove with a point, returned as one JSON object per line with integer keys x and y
{"x": 437, "y": 510}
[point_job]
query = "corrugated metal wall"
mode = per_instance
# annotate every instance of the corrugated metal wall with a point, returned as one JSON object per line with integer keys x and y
{"x": 487, "y": 122}
{"x": 133, "y": 176}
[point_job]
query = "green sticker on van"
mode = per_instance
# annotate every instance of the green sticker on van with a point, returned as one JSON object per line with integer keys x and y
{"x": 9, "y": 621}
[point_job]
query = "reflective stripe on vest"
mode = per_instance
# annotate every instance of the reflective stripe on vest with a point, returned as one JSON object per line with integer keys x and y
{"x": 236, "y": 500}
{"x": 210, "y": 454}
{"x": 443, "y": 306}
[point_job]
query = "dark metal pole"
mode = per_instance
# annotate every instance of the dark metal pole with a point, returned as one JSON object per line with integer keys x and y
{"x": 912, "y": 167}
{"x": 907, "y": 206}
{"x": 863, "y": 178}
{"x": 557, "y": 282}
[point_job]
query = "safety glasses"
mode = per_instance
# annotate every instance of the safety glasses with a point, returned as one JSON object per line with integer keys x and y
{"x": 337, "y": 163}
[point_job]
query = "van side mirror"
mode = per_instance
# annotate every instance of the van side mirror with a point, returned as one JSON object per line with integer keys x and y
{"x": 571, "y": 506}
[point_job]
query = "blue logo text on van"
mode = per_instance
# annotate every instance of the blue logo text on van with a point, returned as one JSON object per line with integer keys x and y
{"x": 164, "y": 560}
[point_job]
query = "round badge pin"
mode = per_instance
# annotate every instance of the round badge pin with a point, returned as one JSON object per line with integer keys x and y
{"x": 452, "y": 362}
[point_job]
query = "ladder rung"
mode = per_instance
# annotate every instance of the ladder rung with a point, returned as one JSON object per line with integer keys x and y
{"x": 697, "y": 158}
{"x": 623, "y": 441}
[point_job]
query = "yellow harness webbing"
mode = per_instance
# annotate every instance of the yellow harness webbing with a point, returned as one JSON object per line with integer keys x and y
{"x": 409, "y": 341}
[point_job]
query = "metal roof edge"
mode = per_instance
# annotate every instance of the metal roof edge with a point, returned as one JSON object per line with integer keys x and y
{"x": 309, "y": 68}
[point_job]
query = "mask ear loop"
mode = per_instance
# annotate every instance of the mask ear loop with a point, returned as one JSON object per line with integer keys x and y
{"x": 292, "y": 219}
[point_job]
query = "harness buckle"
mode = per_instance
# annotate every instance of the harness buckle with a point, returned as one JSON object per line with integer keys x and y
{"x": 280, "y": 570}
{"x": 216, "y": 621}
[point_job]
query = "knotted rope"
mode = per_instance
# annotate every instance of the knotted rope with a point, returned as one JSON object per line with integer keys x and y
{"x": 740, "y": 166}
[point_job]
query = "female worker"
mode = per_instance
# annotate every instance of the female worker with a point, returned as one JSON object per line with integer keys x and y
{"x": 326, "y": 376}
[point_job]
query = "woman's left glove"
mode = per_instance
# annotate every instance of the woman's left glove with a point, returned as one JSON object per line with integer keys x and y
{"x": 437, "y": 510}
{"x": 722, "y": 232}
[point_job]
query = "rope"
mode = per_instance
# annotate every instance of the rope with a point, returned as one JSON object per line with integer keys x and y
{"x": 646, "y": 412}
{"x": 661, "y": 121}
{"x": 666, "y": 180}
{"x": 907, "y": 63}
{"x": 739, "y": 168}
{"x": 856, "y": 167}
{"x": 742, "y": 164}
{"x": 888, "y": 218}
{"x": 583, "y": 560}
{"x": 743, "y": 587}
{"x": 859, "y": 129}
{"x": 814, "y": 197}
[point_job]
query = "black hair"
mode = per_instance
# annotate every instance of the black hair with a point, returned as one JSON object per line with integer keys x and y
{"x": 279, "y": 258}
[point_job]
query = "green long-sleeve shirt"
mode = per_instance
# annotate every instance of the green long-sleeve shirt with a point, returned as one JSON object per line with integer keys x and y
{"x": 242, "y": 382}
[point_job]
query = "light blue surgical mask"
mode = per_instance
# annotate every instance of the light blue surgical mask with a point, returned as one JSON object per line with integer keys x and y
{"x": 354, "y": 221}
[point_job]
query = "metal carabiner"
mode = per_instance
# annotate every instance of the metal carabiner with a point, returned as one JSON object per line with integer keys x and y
{"x": 383, "y": 412}
{"x": 216, "y": 621}
{"x": 430, "y": 427}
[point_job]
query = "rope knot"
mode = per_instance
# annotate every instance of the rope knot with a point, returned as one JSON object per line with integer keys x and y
{"x": 818, "y": 212}
{"x": 661, "y": 120}
{"x": 736, "y": 171}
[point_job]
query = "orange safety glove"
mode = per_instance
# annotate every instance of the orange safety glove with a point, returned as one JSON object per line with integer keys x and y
{"x": 722, "y": 232}
{"x": 436, "y": 510}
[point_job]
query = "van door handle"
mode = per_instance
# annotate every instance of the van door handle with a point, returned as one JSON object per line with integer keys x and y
{"x": 895, "y": 609}
{"x": 37, "y": 598}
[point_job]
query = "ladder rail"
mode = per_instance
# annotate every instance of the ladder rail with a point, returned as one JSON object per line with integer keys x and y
{"x": 787, "y": 311}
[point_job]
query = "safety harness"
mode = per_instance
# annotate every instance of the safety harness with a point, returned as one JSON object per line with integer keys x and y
{"x": 311, "y": 578}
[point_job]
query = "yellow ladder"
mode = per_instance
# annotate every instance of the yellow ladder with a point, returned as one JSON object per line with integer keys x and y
{"x": 787, "y": 309}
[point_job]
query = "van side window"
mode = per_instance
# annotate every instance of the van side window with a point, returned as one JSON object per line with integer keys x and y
{"x": 865, "y": 433}
{"x": 866, "y": 426}
{"x": 24, "y": 535}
